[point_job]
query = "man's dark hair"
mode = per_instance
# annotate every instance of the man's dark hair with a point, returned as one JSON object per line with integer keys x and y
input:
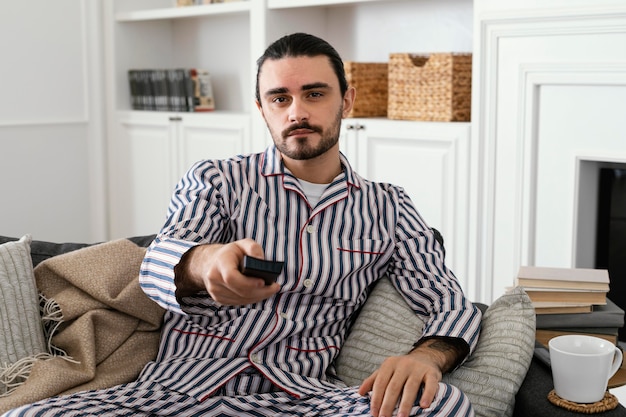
{"x": 302, "y": 44}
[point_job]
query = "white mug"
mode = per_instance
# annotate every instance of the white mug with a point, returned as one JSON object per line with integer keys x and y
{"x": 582, "y": 365}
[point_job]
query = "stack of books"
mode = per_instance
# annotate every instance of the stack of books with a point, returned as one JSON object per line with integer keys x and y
{"x": 180, "y": 90}
{"x": 571, "y": 301}
{"x": 564, "y": 290}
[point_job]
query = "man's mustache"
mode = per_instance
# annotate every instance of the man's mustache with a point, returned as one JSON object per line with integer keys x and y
{"x": 303, "y": 125}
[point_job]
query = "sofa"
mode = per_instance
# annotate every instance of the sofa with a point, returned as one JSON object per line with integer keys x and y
{"x": 501, "y": 377}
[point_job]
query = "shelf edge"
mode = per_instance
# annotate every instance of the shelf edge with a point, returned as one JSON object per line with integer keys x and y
{"x": 294, "y": 4}
{"x": 184, "y": 12}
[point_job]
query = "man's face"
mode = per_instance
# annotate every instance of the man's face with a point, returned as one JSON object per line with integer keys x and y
{"x": 302, "y": 105}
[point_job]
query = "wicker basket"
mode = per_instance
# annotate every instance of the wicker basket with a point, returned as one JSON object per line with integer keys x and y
{"x": 370, "y": 81}
{"x": 435, "y": 87}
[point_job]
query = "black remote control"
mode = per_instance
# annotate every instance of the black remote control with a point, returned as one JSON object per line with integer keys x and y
{"x": 260, "y": 268}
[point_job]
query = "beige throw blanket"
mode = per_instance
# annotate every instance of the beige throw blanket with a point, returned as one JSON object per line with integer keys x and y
{"x": 109, "y": 328}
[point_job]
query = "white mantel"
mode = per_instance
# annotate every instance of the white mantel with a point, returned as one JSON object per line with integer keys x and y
{"x": 549, "y": 103}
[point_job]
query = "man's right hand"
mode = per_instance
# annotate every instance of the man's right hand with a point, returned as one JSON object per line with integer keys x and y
{"x": 215, "y": 268}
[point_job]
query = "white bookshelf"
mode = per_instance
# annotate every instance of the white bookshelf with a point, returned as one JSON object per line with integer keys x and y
{"x": 227, "y": 39}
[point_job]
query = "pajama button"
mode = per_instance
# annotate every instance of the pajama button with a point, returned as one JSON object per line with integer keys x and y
{"x": 307, "y": 283}
{"x": 284, "y": 315}
{"x": 310, "y": 228}
{"x": 254, "y": 358}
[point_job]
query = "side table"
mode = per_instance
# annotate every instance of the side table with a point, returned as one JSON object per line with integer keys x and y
{"x": 532, "y": 397}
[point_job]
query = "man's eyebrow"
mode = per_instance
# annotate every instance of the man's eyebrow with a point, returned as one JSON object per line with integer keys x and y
{"x": 314, "y": 86}
{"x": 278, "y": 90}
{"x": 306, "y": 87}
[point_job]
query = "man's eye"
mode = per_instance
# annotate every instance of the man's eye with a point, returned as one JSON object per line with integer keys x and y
{"x": 316, "y": 94}
{"x": 279, "y": 100}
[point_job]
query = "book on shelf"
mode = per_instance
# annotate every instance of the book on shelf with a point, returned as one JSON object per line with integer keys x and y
{"x": 175, "y": 93}
{"x": 175, "y": 89}
{"x": 564, "y": 278}
{"x": 158, "y": 79}
{"x": 188, "y": 89}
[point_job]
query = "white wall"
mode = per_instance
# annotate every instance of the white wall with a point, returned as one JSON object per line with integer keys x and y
{"x": 51, "y": 121}
{"x": 549, "y": 91}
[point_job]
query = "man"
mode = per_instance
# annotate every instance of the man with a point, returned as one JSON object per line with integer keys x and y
{"x": 232, "y": 345}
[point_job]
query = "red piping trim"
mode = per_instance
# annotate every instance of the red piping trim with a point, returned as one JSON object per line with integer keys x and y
{"x": 204, "y": 335}
{"x": 360, "y": 251}
{"x": 313, "y": 350}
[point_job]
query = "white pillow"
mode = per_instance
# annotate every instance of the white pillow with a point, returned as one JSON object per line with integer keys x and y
{"x": 490, "y": 377}
{"x": 21, "y": 328}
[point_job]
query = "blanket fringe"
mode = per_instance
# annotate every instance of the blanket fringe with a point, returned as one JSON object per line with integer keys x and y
{"x": 52, "y": 318}
{"x": 15, "y": 374}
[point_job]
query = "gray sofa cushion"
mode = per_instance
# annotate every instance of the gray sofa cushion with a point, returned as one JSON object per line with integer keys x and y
{"x": 490, "y": 377}
{"x": 22, "y": 338}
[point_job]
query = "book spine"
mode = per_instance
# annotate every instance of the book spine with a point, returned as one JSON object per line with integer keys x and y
{"x": 172, "y": 90}
{"x": 135, "y": 90}
{"x": 189, "y": 89}
{"x": 163, "y": 90}
{"x": 148, "y": 90}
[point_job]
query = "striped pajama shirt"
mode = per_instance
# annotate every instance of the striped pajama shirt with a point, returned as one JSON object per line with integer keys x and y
{"x": 275, "y": 357}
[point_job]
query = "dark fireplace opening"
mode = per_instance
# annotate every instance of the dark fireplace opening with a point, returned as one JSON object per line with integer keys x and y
{"x": 611, "y": 233}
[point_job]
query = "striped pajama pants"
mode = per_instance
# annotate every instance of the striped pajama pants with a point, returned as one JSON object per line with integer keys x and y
{"x": 149, "y": 398}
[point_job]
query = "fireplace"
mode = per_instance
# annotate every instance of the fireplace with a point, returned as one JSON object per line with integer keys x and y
{"x": 601, "y": 222}
{"x": 610, "y": 249}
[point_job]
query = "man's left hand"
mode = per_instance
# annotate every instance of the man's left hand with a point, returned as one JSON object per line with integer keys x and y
{"x": 399, "y": 379}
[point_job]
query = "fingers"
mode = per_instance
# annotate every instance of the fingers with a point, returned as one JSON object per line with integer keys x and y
{"x": 237, "y": 294}
{"x": 397, "y": 383}
{"x": 429, "y": 392}
{"x": 368, "y": 384}
{"x": 227, "y": 285}
{"x": 250, "y": 247}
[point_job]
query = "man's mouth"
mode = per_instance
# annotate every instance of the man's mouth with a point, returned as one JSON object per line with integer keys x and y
{"x": 300, "y": 132}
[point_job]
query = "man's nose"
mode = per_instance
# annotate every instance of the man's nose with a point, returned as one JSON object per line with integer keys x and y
{"x": 298, "y": 112}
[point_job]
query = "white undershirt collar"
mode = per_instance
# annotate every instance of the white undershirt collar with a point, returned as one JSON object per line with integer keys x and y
{"x": 313, "y": 191}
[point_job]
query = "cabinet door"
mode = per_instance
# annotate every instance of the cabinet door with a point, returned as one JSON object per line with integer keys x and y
{"x": 349, "y": 140}
{"x": 431, "y": 162}
{"x": 141, "y": 175}
{"x": 209, "y": 137}
{"x": 152, "y": 151}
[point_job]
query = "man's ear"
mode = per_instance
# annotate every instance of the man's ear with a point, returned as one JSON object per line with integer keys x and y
{"x": 348, "y": 101}
{"x": 258, "y": 106}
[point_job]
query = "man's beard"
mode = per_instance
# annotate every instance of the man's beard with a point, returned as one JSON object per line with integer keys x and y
{"x": 301, "y": 148}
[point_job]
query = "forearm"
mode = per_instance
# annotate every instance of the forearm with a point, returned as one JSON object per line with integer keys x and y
{"x": 446, "y": 352}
